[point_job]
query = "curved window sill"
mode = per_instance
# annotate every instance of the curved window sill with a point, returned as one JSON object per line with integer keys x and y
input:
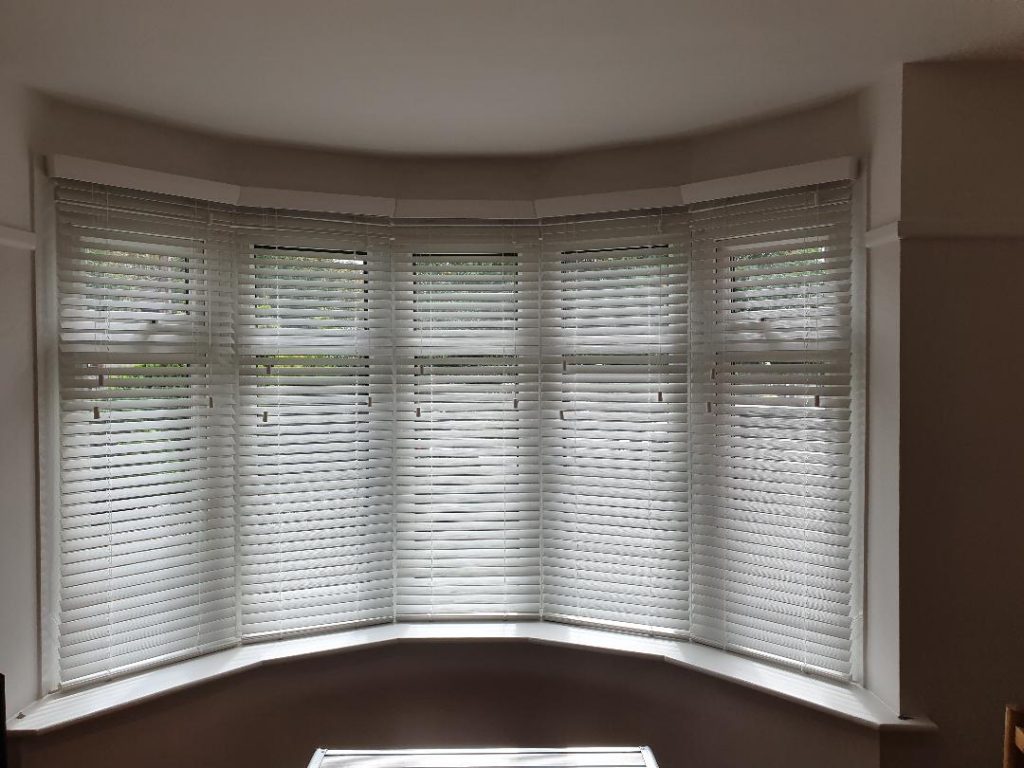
{"x": 850, "y": 702}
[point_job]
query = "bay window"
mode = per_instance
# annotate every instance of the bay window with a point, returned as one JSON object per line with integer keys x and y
{"x": 279, "y": 422}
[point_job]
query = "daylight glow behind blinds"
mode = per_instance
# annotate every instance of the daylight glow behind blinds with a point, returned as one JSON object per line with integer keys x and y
{"x": 616, "y": 517}
{"x": 277, "y": 422}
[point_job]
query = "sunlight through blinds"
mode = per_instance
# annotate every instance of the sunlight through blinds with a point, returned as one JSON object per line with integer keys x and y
{"x": 278, "y": 422}
{"x": 772, "y": 570}
{"x": 614, "y": 420}
{"x": 314, "y": 414}
{"x": 147, "y": 569}
{"x": 467, "y": 504}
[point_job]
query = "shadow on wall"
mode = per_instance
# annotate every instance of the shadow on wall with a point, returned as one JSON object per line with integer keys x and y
{"x": 458, "y": 694}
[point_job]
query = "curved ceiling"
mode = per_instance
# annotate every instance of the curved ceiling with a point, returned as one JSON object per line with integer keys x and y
{"x": 472, "y": 77}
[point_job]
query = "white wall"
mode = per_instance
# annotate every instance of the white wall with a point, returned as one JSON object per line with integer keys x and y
{"x": 881, "y": 113}
{"x": 882, "y": 106}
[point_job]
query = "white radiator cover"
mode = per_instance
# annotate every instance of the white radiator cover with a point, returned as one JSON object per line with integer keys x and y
{"x": 578, "y": 757}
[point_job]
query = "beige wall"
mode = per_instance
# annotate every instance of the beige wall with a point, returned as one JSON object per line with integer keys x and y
{"x": 831, "y": 130}
{"x": 42, "y": 125}
{"x": 963, "y": 155}
{"x": 18, "y": 607}
{"x": 946, "y": 366}
{"x": 962, "y": 415}
{"x": 962, "y": 468}
{"x": 461, "y": 694}
{"x": 18, "y": 611}
{"x": 15, "y": 200}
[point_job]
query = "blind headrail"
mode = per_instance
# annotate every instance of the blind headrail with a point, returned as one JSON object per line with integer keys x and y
{"x": 159, "y": 182}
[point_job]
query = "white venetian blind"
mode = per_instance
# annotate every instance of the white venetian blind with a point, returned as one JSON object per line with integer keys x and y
{"x": 771, "y": 424}
{"x": 467, "y": 502}
{"x": 277, "y": 422}
{"x": 314, "y": 415}
{"x": 614, "y": 420}
{"x": 146, "y": 563}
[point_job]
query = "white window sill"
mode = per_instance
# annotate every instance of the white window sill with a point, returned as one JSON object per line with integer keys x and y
{"x": 850, "y": 702}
